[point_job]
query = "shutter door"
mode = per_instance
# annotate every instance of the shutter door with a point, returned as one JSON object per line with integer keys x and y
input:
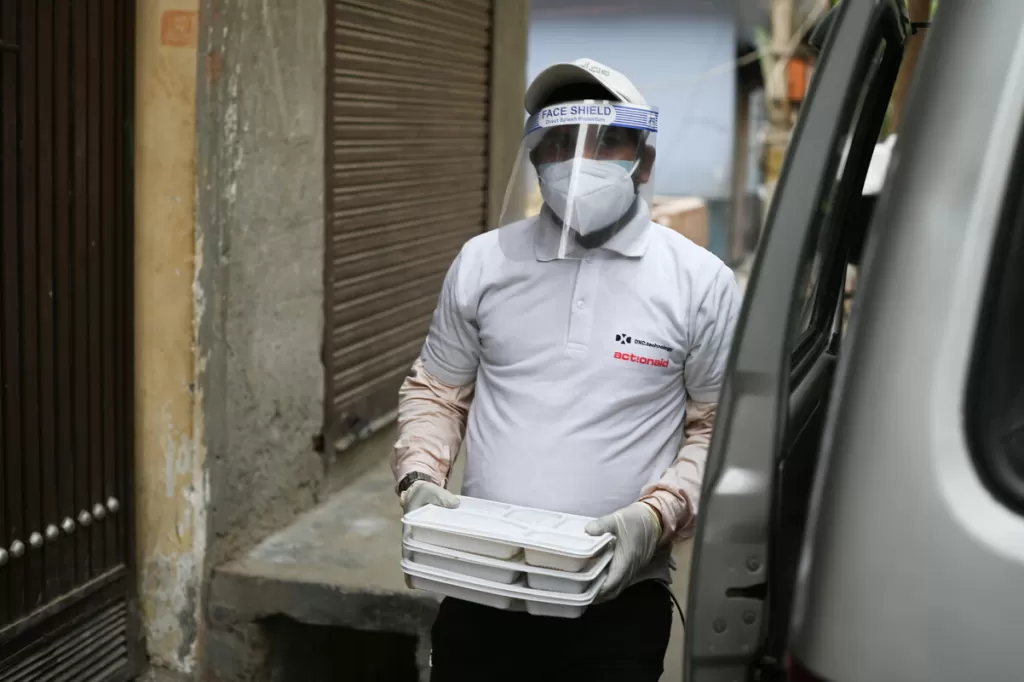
{"x": 407, "y": 157}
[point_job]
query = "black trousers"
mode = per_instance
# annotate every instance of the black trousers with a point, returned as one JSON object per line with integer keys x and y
{"x": 622, "y": 640}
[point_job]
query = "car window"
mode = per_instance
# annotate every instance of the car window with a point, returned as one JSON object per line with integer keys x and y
{"x": 995, "y": 399}
{"x": 812, "y": 316}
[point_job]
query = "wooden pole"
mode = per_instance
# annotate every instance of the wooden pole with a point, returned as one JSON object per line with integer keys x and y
{"x": 920, "y": 10}
{"x": 777, "y": 91}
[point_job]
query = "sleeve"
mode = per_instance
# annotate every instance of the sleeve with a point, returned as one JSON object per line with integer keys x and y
{"x": 714, "y": 324}
{"x": 678, "y": 490}
{"x": 431, "y": 424}
{"x": 434, "y": 400}
{"x": 676, "y": 495}
{"x": 451, "y": 352}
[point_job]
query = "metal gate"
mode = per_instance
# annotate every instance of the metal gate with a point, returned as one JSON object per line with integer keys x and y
{"x": 408, "y": 90}
{"x": 66, "y": 344}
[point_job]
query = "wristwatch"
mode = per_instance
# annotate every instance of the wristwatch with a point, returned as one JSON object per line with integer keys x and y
{"x": 411, "y": 478}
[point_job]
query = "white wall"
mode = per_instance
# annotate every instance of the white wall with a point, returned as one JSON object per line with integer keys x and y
{"x": 668, "y": 53}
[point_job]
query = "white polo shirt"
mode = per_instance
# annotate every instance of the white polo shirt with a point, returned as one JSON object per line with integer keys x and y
{"x": 582, "y": 367}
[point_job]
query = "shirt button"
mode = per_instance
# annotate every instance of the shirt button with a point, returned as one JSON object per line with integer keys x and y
{"x": 579, "y": 305}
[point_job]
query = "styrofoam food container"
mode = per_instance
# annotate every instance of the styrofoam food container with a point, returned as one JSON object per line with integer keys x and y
{"x": 495, "y": 574}
{"x": 466, "y": 543}
{"x": 497, "y": 595}
{"x": 548, "y": 580}
{"x": 448, "y": 589}
{"x": 551, "y": 539}
{"x": 503, "y": 571}
{"x": 560, "y": 560}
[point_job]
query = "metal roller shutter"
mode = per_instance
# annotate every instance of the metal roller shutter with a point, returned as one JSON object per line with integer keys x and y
{"x": 407, "y": 160}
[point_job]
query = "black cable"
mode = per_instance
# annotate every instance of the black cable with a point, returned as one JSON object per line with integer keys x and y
{"x": 679, "y": 609}
{"x": 682, "y": 618}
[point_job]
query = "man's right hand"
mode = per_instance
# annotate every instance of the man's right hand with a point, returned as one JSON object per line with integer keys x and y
{"x": 422, "y": 493}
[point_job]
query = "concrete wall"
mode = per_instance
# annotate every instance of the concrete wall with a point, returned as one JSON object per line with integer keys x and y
{"x": 170, "y": 481}
{"x": 259, "y": 240}
{"x": 260, "y": 247}
{"x": 508, "y": 86}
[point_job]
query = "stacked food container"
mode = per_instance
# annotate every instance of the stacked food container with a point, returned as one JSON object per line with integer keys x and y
{"x": 504, "y": 556}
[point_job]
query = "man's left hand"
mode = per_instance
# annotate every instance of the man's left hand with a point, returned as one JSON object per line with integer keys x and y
{"x": 637, "y": 530}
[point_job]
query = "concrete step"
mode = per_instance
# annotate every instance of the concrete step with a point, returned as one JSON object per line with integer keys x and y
{"x": 332, "y": 576}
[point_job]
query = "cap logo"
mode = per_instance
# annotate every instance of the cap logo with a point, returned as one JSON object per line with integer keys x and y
{"x": 576, "y": 114}
{"x": 590, "y": 113}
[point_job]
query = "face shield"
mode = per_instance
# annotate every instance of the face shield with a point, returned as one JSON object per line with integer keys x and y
{"x": 585, "y": 171}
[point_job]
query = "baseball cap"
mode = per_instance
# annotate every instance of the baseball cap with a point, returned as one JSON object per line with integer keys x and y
{"x": 580, "y": 71}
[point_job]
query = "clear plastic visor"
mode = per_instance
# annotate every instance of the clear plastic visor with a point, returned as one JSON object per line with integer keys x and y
{"x": 585, "y": 171}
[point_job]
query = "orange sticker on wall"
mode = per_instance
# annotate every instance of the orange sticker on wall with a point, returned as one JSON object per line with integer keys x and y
{"x": 179, "y": 28}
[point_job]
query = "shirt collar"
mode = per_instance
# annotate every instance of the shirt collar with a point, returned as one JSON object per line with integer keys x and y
{"x": 630, "y": 241}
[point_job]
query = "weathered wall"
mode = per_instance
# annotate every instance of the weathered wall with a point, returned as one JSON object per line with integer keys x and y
{"x": 171, "y": 488}
{"x": 510, "y": 32}
{"x": 260, "y": 237}
{"x": 229, "y": 291}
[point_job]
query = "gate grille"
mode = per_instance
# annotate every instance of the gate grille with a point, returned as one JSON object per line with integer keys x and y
{"x": 66, "y": 345}
{"x": 90, "y": 649}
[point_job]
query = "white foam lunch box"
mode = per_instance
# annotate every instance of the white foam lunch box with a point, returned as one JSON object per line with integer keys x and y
{"x": 515, "y": 596}
{"x": 547, "y": 539}
{"x": 506, "y": 571}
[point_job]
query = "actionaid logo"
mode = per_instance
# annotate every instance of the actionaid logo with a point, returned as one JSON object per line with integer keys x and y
{"x": 640, "y": 360}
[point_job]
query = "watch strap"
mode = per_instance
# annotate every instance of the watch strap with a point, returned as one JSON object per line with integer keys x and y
{"x": 411, "y": 478}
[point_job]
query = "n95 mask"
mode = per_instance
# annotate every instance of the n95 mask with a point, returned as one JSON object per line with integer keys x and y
{"x": 588, "y": 194}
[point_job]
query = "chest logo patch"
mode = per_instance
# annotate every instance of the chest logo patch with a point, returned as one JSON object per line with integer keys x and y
{"x": 630, "y": 340}
{"x": 640, "y": 359}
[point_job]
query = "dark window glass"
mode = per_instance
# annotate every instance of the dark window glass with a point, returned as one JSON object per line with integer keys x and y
{"x": 812, "y": 316}
{"x": 995, "y": 399}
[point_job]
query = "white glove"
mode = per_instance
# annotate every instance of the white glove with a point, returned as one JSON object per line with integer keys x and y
{"x": 422, "y": 493}
{"x": 637, "y": 531}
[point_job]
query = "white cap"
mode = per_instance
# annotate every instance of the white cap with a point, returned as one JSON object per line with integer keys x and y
{"x": 580, "y": 71}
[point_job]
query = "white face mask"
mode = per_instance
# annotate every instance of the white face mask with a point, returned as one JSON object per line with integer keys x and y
{"x": 602, "y": 193}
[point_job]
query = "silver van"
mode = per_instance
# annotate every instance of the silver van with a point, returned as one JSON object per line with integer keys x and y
{"x": 863, "y": 513}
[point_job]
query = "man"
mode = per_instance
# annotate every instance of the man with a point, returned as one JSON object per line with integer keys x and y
{"x": 581, "y": 351}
